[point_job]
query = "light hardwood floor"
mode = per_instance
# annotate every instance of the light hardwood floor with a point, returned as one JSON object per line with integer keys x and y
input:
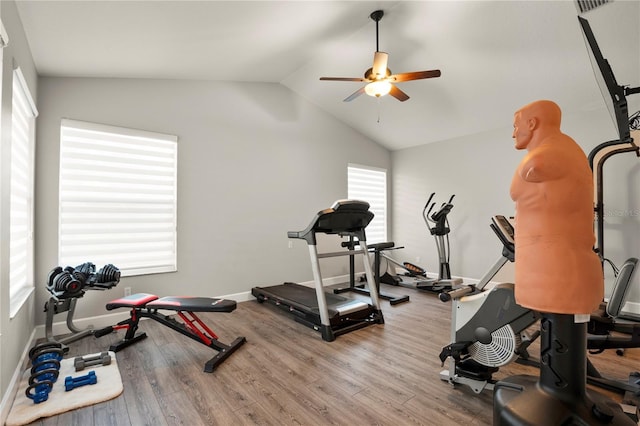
{"x": 287, "y": 375}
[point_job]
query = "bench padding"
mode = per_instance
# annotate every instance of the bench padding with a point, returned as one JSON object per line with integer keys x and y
{"x": 137, "y": 300}
{"x": 193, "y": 304}
{"x": 173, "y": 303}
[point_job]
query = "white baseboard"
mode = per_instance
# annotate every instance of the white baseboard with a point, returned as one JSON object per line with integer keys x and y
{"x": 12, "y": 389}
{"x": 239, "y": 297}
{"x": 340, "y": 279}
{"x": 96, "y": 322}
{"x": 632, "y": 308}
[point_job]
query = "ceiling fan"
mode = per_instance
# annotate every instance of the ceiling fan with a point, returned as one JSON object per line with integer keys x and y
{"x": 379, "y": 78}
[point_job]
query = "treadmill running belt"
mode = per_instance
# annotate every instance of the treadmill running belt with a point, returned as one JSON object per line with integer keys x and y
{"x": 303, "y": 295}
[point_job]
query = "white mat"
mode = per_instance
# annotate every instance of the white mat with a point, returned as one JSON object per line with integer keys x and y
{"x": 109, "y": 386}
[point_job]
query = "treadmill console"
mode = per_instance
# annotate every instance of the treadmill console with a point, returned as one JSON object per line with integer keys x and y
{"x": 344, "y": 205}
{"x": 345, "y": 218}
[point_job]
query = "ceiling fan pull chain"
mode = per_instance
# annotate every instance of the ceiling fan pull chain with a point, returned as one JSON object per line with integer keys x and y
{"x": 378, "y": 106}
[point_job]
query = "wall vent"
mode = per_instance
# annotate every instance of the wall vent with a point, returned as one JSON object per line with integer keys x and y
{"x": 587, "y": 5}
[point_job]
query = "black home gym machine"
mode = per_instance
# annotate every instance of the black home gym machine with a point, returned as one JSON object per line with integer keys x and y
{"x": 415, "y": 276}
{"x": 607, "y": 329}
{"x": 330, "y": 314}
{"x": 597, "y": 158}
{"x": 610, "y": 318}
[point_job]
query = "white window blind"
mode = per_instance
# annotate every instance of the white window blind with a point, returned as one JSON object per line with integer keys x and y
{"x": 23, "y": 115}
{"x": 370, "y": 184}
{"x": 118, "y": 198}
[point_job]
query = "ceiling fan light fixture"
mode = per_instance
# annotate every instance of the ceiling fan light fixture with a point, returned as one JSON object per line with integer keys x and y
{"x": 379, "y": 78}
{"x": 377, "y": 88}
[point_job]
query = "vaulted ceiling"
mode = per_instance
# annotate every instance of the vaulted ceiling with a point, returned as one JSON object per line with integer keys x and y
{"x": 494, "y": 56}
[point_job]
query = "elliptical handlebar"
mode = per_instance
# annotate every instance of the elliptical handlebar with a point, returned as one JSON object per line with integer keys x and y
{"x": 439, "y": 218}
{"x": 426, "y": 215}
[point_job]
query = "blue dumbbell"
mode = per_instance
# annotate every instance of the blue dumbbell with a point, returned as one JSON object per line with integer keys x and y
{"x": 45, "y": 365}
{"x": 40, "y": 391}
{"x": 47, "y": 354}
{"x": 71, "y": 383}
{"x": 44, "y": 347}
{"x": 50, "y": 374}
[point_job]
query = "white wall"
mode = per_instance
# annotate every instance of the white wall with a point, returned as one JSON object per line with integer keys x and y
{"x": 254, "y": 161}
{"x": 479, "y": 169}
{"x": 15, "y": 333}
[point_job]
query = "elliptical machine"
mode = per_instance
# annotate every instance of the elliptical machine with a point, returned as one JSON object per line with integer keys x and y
{"x": 438, "y": 226}
{"x": 440, "y": 230}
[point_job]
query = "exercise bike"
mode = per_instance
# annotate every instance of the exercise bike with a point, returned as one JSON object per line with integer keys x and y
{"x": 488, "y": 327}
{"x": 489, "y": 330}
{"x": 415, "y": 276}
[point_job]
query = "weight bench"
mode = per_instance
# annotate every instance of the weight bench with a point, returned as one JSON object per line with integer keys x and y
{"x": 143, "y": 305}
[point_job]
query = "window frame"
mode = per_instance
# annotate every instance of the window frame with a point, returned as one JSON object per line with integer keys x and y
{"x": 377, "y": 230}
{"x": 127, "y": 202}
{"x": 22, "y": 192}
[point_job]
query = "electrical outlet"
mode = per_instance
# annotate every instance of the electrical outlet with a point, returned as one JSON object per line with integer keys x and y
{"x": 127, "y": 291}
{"x": 290, "y": 244}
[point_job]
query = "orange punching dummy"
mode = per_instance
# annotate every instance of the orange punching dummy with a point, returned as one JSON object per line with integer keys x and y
{"x": 556, "y": 268}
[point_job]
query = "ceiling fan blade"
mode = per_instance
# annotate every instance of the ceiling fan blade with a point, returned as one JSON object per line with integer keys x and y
{"x": 416, "y": 75}
{"x": 343, "y": 78}
{"x": 379, "y": 69}
{"x": 354, "y": 95}
{"x": 398, "y": 94}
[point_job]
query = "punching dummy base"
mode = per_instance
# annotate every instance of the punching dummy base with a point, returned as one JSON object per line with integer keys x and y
{"x": 559, "y": 395}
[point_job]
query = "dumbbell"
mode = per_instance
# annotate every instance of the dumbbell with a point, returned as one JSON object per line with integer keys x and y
{"x": 40, "y": 390}
{"x": 43, "y": 376}
{"x": 107, "y": 277}
{"x": 45, "y": 359}
{"x": 81, "y": 362}
{"x": 70, "y": 383}
{"x": 52, "y": 346}
{"x": 45, "y": 365}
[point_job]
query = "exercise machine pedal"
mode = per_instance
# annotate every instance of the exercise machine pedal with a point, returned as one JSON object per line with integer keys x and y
{"x": 472, "y": 369}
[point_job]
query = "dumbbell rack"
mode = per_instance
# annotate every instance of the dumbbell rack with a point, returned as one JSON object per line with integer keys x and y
{"x": 66, "y": 287}
{"x": 56, "y": 306}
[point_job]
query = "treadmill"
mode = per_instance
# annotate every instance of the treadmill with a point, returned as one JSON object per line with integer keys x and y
{"x": 330, "y": 314}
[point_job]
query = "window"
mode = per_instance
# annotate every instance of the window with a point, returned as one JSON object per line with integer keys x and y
{"x": 118, "y": 198}
{"x": 23, "y": 117}
{"x": 370, "y": 184}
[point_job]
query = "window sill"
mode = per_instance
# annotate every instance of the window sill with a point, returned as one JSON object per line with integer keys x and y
{"x": 18, "y": 300}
